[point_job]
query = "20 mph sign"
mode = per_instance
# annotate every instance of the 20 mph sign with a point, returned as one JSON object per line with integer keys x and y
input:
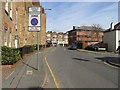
{"x": 34, "y": 19}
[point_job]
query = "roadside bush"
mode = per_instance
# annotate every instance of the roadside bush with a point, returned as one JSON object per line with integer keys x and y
{"x": 27, "y": 49}
{"x": 9, "y": 55}
{"x": 32, "y": 48}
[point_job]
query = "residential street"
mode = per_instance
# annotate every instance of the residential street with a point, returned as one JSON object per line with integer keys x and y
{"x": 63, "y": 68}
{"x": 59, "y": 44}
{"x": 74, "y": 69}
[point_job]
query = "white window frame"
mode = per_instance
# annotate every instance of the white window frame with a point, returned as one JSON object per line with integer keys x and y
{"x": 5, "y": 36}
{"x": 10, "y": 39}
{"x": 16, "y": 19}
{"x": 6, "y": 5}
{"x": 48, "y": 35}
{"x": 11, "y": 13}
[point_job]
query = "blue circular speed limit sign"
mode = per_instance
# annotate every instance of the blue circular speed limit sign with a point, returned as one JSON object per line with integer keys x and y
{"x": 34, "y": 21}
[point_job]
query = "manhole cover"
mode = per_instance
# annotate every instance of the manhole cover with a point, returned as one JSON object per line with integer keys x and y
{"x": 29, "y": 72}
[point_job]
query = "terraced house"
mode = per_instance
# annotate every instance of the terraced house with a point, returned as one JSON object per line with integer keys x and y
{"x": 14, "y": 25}
{"x": 54, "y": 38}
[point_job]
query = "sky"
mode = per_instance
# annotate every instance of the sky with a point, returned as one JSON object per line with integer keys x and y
{"x": 64, "y": 15}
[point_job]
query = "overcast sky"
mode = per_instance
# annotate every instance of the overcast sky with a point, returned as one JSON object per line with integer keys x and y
{"x": 65, "y": 15}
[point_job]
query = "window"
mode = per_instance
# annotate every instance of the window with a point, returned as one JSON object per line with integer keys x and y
{"x": 5, "y": 37}
{"x": 66, "y": 40}
{"x": 54, "y": 39}
{"x": 55, "y": 36}
{"x": 48, "y": 35}
{"x": 65, "y": 36}
{"x": 60, "y": 36}
{"x": 11, "y": 10}
{"x": 48, "y": 39}
{"x": 10, "y": 39}
{"x": 16, "y": 19}
{"x": 6, "y": 6}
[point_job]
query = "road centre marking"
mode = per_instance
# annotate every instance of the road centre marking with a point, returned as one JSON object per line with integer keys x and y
{"x": 52, "y": 74}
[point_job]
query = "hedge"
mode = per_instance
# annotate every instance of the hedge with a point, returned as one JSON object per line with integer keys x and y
{"x": 9, "y": 55}
{"x": 12, "y": 55}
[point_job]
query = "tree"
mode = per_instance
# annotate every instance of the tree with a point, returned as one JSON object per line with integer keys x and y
{"x": 97, "y": 28}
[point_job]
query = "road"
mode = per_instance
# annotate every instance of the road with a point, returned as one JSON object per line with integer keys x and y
{"x": 63, "y": 68}
{"x": 75, "y": 69}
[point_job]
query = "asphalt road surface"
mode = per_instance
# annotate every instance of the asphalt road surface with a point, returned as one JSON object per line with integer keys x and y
{"x": 63, "y": 68}
{"x": 75, "y": 69}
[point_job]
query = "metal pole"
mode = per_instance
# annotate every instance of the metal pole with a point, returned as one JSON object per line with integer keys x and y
{"x": 38, "y": 50}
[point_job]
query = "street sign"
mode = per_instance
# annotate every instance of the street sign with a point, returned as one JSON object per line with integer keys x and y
{"x": 34, "y": 26}
{"x": 34, "y": 19}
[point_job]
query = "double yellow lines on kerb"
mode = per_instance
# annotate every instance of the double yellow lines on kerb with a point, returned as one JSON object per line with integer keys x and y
{"x": 52, "y": 74}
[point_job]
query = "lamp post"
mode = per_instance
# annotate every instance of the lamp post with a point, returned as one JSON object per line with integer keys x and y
{"x": 40, "y": 39}
{"x": 46, "y": 9}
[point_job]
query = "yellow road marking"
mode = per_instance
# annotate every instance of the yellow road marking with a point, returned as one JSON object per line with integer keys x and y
{"x": 53, "y": 76}
{"x": 111, "y": 65}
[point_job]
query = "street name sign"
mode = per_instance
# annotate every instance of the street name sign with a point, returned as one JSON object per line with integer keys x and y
{"x": 34, "y": 19}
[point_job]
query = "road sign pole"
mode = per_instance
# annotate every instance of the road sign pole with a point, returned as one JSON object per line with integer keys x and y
{"x": 34, "y": 25}
{"x": 37, "y": 50}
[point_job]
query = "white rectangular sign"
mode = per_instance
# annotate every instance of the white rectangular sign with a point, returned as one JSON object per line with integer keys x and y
{"x": 34, "y": 19}
{"x": 34, "y": 28}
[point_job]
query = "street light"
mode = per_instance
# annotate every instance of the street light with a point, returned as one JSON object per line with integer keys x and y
{"x": 38, "y": 42}
{"x": 47, "y": 9}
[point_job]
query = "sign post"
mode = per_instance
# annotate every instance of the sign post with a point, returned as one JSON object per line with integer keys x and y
{"x": 34, "y": 26}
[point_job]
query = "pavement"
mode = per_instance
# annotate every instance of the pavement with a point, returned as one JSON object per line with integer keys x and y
{"x": 24, "y": 74}
{"x": 8, "y": 69}
{"x": 114, "y": 61}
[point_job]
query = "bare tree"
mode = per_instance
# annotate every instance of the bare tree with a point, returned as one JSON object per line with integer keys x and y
{"x": 98, "y": 29}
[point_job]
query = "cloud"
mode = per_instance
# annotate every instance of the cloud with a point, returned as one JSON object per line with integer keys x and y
{"x": 78, "y": 0}
{"x": 64, "y": 15}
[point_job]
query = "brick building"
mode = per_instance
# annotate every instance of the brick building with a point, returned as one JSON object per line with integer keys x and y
{"x": 0, "y": 24}
{"x": 84, "y": 36}
{"x": 15, "y": 25}
{"x": 54, "y": 38}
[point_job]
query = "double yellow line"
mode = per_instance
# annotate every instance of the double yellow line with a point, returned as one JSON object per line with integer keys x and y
{"x": 52, "y": 74}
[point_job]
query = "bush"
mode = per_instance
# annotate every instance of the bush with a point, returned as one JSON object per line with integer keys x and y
{"x": 32, "y": 48}
{"x": 27, "y": 49}
{"x": 9, "y": 55}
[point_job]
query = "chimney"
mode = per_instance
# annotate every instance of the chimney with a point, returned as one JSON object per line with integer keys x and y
{"x": 112, "y": 25}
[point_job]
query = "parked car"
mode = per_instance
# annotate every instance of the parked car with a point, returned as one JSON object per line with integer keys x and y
{"x": 92, "y": 47}
{"x": 72, "y": 47}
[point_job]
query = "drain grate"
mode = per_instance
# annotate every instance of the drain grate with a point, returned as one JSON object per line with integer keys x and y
{"x": 29, "y": 72}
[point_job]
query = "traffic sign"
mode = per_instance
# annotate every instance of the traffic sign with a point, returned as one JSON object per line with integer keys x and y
{"x": 34, "y": 19}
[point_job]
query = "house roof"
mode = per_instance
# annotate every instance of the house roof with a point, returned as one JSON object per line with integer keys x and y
{"x": 116, "y": 28}
{"x": 87, "y": 27}
{"x": 84, "y": 28}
